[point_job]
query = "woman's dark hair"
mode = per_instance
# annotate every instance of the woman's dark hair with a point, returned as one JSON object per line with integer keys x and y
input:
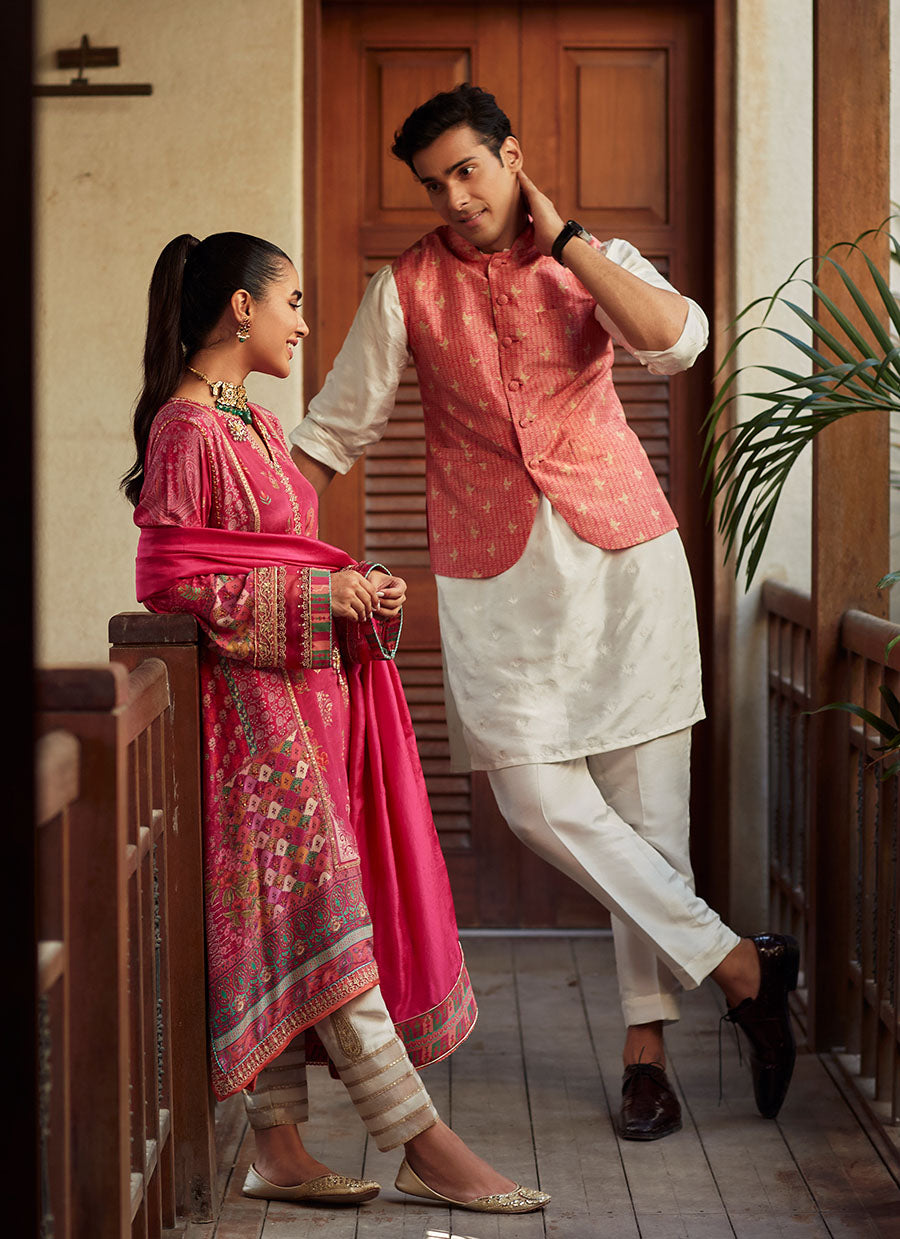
{"x": 192, "y": 283}
{"x": 463, "y": 105}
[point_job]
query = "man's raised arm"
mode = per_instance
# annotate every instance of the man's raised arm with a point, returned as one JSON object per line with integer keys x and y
{"x": 649, "y": 318}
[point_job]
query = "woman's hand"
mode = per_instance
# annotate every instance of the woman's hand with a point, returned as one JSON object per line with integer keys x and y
{"x": 548, "y": 222}
{"x": 391, "y": 592}
{"x": 352, "y": 596}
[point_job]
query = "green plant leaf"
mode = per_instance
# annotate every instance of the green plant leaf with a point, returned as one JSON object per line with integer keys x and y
{"x": 892, "y": 704}
{"x": 853, "y": 368}
{"x": 883, "y": 726}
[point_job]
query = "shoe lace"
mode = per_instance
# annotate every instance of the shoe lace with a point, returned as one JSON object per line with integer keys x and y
{"x": 730, "y": 1017}
{"x": 645, "y": 1069}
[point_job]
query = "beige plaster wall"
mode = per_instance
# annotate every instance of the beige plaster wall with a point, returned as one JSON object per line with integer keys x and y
{"x": 774, "y": 232}
{"x": 217, "y": 146}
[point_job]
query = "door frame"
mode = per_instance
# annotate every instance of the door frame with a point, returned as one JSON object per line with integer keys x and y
{"x": 716, "y": 869}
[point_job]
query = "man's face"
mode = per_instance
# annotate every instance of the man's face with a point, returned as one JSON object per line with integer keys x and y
{"x": 476, "y": 193}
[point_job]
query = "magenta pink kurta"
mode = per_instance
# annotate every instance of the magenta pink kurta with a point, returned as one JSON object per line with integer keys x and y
{"x": 301, "y": 838}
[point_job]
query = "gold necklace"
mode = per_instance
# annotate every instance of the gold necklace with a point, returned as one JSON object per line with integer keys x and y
{"x": 227, "y": 397}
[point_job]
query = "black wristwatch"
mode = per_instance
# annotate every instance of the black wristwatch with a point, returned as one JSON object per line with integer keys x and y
{"x": 572, "y": 229}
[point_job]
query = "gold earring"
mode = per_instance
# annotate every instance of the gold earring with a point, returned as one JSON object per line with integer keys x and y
{"x": 243, "y": 331}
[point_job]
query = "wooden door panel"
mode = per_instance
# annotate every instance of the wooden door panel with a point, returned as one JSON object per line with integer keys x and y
{"x": 629, "y": 87}
{"x": 397, "y": 80}
{"x": 382, "y": 62}
{"x": 597, "y": 96}
{"x": 619, "y": 101}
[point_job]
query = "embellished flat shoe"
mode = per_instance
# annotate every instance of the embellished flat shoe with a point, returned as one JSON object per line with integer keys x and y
{"x": 766, "y": 1022}
{"x": 519, "y": 1200}
{"x": 650, "y": 1109}
{"x": 328, "y": 1189}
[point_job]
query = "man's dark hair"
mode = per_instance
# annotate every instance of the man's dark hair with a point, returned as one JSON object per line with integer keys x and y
{"x": 463, "y": 105}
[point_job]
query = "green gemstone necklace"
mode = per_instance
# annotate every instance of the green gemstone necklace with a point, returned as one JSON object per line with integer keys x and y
{"x": 227, "y": 397}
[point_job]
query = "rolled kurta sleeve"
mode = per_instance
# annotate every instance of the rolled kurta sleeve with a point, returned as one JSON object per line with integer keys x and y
{"x": 351, "y": 410}
{"x": 694, "y": 335}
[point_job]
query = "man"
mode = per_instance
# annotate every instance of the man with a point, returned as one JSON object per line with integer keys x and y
{"x": 565, "y": 603}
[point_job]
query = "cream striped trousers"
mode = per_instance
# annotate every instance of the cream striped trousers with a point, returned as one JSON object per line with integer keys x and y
{"x": 373, "y": 1065}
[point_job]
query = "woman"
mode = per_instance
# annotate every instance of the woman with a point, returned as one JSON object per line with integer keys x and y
{"x": 324, "y": 880}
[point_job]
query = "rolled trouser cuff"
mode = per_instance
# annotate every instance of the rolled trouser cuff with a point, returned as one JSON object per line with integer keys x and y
{"x": 280, "y": 1096}
{"x": 649, "y": 1009}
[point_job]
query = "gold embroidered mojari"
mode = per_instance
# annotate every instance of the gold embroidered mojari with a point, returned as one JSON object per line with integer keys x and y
{"x": 327, "y": 1189}
{"x": 519, "y": 1200}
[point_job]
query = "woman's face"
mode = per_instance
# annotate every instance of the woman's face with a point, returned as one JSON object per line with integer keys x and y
{"x": 276, "y": 325}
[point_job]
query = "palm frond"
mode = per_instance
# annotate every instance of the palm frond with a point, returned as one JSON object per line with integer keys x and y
{"x": 854, "y": 368}
{"x": 887, "y": 728}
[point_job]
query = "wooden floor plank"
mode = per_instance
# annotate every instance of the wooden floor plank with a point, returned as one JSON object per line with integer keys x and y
{"x": 763, "y": 1191}
{"x": 845, "y": 1175}
{"x": 241, "y": 1219}
{"x": 488, "y": 1093}
{"x": 534, "y": 1091}
{"x": 231, "y": 1129}
{"x": 672, "y": 1187}
{"x": 574, "y": 1139}
{"x": 336, "y": 1137}
{"x": 393, "y": 1215}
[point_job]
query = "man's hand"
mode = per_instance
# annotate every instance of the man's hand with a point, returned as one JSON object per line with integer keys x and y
{"x": 648, "y": 317}
{"x": 352, "y": 596}
{"x": 391, "y": 592}
{"x": 547, "y": 221}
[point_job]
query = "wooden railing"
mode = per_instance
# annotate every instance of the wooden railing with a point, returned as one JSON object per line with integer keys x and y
{"x": 868, "y": 1056}
{"x": 124, "y": 1078}
{"x": 789, "y": 697}
{"x": 172, "y": 639}
{"x": 57, "y": 784}
{"x": 873, "y": 1033}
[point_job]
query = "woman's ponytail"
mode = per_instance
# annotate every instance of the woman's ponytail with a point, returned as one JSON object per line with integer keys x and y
{"x": 163, "y": 351}
{"x": 191, "y": 286}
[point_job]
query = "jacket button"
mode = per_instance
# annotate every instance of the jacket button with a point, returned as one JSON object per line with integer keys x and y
{"x": 514, "y": 385}
{"x": 534, "y": 462}
{"x": 506, "y": 341}
{"x": 523, "y": 421}
{"x": 503, "y": 299}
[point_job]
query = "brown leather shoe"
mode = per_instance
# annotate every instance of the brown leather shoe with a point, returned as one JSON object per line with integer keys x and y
{"x": 649, "y": 1108}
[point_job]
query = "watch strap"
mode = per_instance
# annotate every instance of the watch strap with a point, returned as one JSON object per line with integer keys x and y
{"x": 571, "y": 229}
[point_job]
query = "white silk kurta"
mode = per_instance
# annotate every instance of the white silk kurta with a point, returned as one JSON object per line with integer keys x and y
{"x": 572, "y": 651}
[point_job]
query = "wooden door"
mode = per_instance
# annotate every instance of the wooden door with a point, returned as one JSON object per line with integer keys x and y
{"x": 604, "y": 100}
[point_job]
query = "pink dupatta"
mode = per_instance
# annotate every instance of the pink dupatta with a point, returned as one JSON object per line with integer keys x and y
{"x": 421, "y": 971}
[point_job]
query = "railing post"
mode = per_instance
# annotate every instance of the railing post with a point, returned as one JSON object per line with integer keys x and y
{"x": 56, "y": 788}
{"x": 85, "y": 702}
{"x": 173, "y": 639}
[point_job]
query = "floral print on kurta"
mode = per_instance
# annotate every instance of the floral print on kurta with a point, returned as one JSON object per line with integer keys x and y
{"x": 288, "y": 930}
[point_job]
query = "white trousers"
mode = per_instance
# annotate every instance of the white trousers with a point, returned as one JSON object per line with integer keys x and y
{"x": 372, "y": 1063}
{"x": 618, "y": 824}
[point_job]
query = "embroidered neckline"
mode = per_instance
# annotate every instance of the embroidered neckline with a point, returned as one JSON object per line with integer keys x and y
{"x": 270, "y": 457}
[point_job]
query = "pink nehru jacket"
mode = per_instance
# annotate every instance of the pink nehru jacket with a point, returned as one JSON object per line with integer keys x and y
{"x": 517, "y": 392}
